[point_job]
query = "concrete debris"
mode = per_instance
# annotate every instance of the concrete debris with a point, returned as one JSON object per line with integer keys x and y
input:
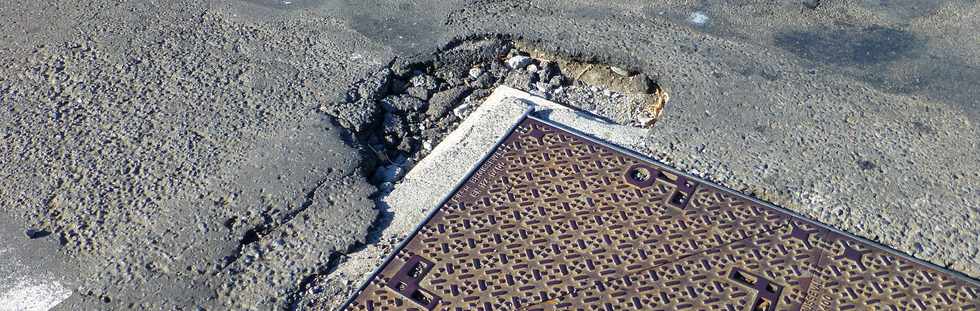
{"x": 620, "y": 71}
{"x": 549, "y": 69}
{"x": 424, "y": 81}
{"x": 543, "y": 87}
{"x": 353, "y": 115}
{"x": 475, "y": 72}
{"x": 532, "y": 68}
{"x": 462, "y": 110}
{"x": 443, "y": 101}
{"x": 373, "y": 86}
{"x": 402, "y": 103}
{"x": 518, "y": 62}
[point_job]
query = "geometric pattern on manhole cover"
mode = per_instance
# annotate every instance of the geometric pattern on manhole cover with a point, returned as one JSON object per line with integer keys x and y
{"x": 556, "y": 221}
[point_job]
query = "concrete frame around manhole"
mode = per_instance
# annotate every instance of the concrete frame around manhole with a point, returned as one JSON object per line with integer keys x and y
{"x": 426, "y": 185}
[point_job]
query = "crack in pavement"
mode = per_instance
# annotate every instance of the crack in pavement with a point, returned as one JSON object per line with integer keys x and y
{"x": 256, "y": 233}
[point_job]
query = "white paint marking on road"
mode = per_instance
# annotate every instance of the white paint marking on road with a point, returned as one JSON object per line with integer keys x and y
{"x": 33, "y": 295}
{"x": 22, "y": 290}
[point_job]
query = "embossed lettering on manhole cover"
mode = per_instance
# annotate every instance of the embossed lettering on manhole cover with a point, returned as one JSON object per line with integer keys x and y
{"x": 554, "y": 221}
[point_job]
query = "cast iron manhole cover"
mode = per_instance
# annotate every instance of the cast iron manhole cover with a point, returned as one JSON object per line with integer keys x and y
{"x": 555, "y": 220}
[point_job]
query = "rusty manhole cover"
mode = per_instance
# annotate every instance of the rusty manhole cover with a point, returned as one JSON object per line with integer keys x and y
{"x": 555, "y": 220}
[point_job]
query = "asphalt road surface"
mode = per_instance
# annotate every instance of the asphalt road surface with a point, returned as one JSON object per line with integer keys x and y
{"x": 172, "y": 155}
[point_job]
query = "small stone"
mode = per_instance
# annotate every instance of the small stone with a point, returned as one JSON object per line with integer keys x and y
{"x": 389, "y": 173}
{"x": 431, "y": 133}
{"x": 427, "y": 145}
{"x": 462, "y": 110}
{"x": 558, "y": 80}
{"x": 518, "y": 62}
{"x": 37, "y": 233}
{"x": 532, "y": 68}
{"x": 394, "y": 129}
{"x": 620, "y": 71}
{"x": 475, "y": 72}
{"x": 867, "y": 165}
{"x": 549, "y": 70}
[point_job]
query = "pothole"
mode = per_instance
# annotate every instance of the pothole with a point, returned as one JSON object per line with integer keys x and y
{"x": 400, "y": 113}
{"x": 403, "y": 111}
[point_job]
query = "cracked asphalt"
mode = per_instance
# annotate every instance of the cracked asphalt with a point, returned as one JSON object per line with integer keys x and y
{"x": 177, "y": 154}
